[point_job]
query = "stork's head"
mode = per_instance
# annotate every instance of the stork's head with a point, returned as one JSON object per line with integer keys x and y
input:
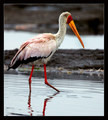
{"x": 69, "y": 20}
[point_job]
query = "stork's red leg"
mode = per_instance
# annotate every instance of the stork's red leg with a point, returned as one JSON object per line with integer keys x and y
{"x": 46, "y": 82}
{"x": 31, "y": 76}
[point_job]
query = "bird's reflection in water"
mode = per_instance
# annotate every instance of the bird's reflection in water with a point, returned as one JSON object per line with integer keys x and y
{"x": 45, "y": 101}
{"x": 29, "y": 101}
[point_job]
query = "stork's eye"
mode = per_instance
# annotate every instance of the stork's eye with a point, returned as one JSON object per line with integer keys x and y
{"x": 66, "y": 15}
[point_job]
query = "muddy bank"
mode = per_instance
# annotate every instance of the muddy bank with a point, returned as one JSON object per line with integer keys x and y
{"x": 69, "y": 59}
{"x": 41, "y": 18}
{"x": 65, "y": 64}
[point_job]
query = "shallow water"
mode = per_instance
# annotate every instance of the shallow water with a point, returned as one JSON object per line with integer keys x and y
{"x": 70, "y": 42}
{"x": 77, "y": 97}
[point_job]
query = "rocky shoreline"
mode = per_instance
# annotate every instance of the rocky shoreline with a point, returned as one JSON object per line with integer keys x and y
{"x": 70, "y": 64}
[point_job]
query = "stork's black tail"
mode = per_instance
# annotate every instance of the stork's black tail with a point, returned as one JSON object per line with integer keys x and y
{"x": 15, "y": 65}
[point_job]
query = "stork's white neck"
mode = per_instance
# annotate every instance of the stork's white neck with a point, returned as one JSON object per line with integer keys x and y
{"x": 61, "y": 32}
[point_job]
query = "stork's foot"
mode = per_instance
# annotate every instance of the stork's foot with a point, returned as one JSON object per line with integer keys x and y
{"x": 52, "y": 86}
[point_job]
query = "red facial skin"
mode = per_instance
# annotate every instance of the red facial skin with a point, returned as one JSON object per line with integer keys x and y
{"x": 69, "y": 19}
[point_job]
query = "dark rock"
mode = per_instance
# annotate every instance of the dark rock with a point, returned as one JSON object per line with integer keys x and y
{"x": 69, "y": 59}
